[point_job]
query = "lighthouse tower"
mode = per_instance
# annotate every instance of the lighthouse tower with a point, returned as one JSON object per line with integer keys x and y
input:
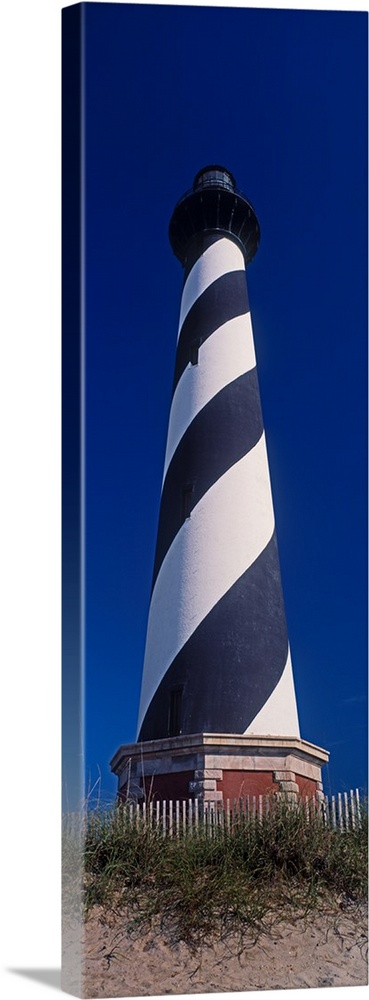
{"x": 218, "y": 711}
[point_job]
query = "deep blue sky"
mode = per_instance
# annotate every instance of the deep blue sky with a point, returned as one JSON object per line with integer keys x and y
{"x": 279, "y": 97}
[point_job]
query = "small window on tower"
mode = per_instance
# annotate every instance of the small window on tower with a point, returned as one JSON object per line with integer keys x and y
{"x": 194, "y": 352}
{"x": 187, "y": 501}
{"x": 175, "y": 711}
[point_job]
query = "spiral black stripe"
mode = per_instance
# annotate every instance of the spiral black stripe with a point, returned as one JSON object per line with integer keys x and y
{"x": 224, "y": 299}
{"x": 222, "y": 433}
{"x": 234, "y": 659}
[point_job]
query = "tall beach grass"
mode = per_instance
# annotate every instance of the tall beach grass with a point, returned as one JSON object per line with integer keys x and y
{"x": 283, "y": 864}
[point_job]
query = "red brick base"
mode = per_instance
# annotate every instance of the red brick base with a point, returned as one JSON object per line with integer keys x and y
{"x": 216, "y": 767}
{"x": 233, "y": 785}
{"x": 169, "y": 786}
{"x": 306, "y": 786}
{"x": 238, "y": 784}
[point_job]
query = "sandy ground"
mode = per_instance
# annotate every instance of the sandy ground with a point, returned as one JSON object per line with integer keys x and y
{"x": 327, "y": 950}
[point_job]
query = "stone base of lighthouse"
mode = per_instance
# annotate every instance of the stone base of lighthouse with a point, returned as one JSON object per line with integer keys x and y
{"x": 216, "y": 767}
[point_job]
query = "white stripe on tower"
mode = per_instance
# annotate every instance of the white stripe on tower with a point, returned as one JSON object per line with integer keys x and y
{"x": 218, "y": 259}
{"x": 216, "y": 631}
{"x": 215, "y": 369}
{"x": 279, "y": 714}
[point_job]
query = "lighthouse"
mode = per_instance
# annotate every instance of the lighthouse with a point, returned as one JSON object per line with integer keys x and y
{"x": 218, "y": 711}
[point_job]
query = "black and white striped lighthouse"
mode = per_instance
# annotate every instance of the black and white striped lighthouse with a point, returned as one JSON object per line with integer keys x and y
{"x": 217, "y": 658}
{"x": 217, "y": 655}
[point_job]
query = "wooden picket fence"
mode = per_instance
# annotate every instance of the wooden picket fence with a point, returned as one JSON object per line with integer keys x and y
{"x": 185, "y": 817}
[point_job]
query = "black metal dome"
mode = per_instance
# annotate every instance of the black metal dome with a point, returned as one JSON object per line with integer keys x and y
{"x": 214, "y": 205}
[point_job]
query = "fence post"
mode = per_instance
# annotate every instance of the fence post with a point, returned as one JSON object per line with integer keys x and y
{"x": 184, "y": 817}
{"x": 352, "y": 809}
{"x": 207, "y": 815}
{"x": 190, "y": 817}
{"x": 196, "y": 804}
{"x": 240, "y": 811}
{"x": 221, "y": 816}
{"x": 212, "y": 819}
{"x": 340, "y": 816}
{"x": 228, "y": 816}
{"x": 357, "y": 796}
{"x": 325, "y": 810}
{"x": 170, "y": 831}
{"x": 347, "y": 817}
{"x": 334, "y": 814}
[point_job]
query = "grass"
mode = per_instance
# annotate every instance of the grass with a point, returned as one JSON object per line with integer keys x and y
{"x": 281, "y": 865}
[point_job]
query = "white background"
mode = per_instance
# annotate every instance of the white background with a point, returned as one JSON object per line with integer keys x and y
{"x": 30, "y": 39}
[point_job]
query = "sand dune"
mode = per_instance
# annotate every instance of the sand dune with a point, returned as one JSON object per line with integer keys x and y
{"x": 329, "y": 949}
